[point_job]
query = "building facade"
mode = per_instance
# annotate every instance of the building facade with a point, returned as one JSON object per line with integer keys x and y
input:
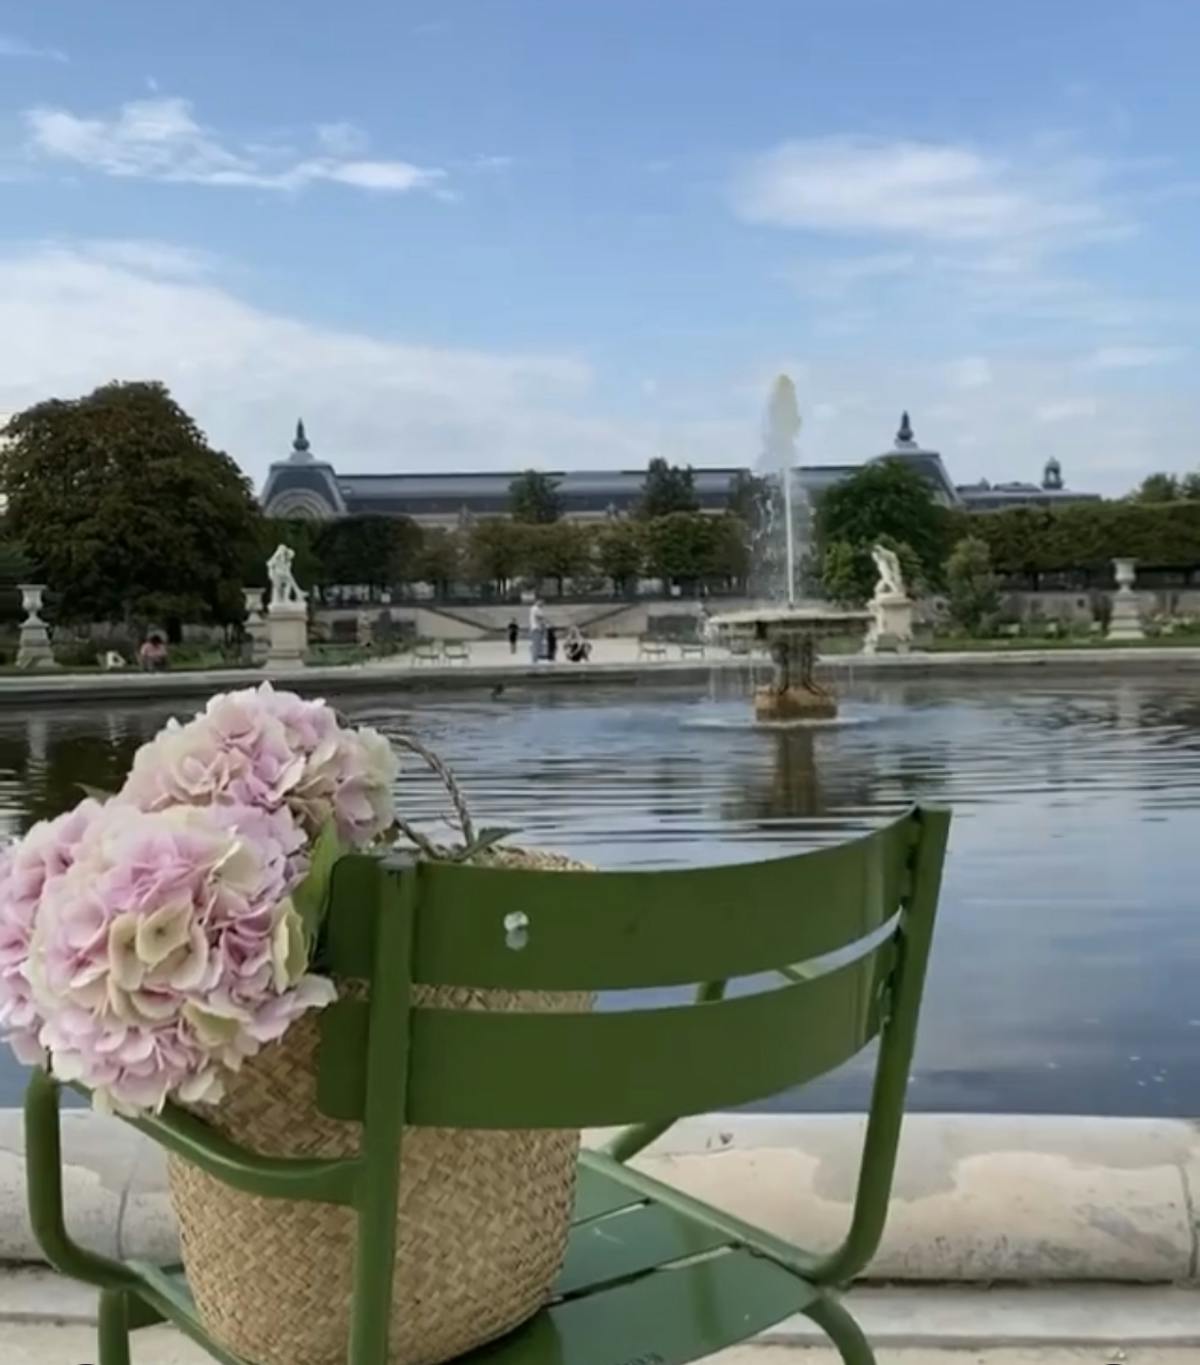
{"x": 305, "y": 487}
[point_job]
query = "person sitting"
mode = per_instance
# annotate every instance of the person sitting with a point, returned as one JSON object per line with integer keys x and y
{"x": 577, "y": 649}
{"x": 153, "y": 655}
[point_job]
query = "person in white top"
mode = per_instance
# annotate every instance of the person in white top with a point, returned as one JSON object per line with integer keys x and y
{"x": 537, "y": 630}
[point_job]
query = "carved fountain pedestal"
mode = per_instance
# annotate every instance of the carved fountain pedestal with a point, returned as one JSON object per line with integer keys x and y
{"x": 791, "y": 636}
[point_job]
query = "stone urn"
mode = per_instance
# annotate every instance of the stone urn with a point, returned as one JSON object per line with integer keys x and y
{"x": 257, "y": 632}
{"x": 1126, "y": 621}
{"x": 34, "y": 649}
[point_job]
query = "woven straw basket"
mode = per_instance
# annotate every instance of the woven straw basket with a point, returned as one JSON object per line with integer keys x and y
{"x": 481, "y": 1229}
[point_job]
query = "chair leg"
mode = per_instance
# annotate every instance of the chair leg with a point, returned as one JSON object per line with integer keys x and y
{"x": 114, "y": 1327}
{"x": 842, "y": 1330}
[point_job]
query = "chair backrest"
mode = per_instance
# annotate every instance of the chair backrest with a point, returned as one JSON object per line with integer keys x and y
{"x": 849, "y": 926}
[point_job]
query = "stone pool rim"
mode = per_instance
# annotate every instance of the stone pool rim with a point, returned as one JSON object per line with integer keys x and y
{"x": 979, "y": 1198}
{"x": 55, "y": 689}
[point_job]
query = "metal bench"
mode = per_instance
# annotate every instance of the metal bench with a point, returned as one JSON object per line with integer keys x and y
{"x": 456, "y": 651}
{"x": 651, "y": 649}
{"x": 426, "y": 652}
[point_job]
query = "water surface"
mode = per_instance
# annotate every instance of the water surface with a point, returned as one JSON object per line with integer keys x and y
{"x": 1064, "y": 970}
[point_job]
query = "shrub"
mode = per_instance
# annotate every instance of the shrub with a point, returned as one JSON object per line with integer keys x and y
{"x": 973, "y": 597}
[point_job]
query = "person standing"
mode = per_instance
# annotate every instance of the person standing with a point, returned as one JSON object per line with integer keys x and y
{"x": 551, "y": 643}
{"x": 537, "y": 630}
{"x": 514, "y": 632}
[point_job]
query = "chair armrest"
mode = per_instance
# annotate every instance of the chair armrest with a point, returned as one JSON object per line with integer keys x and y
{"x": 44, "y": 1192}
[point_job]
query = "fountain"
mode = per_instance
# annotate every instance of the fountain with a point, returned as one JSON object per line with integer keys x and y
{"x": 792, "y": 628}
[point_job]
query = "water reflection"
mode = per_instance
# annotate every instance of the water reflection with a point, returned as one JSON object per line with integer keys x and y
{"x": 1062, "y": 977}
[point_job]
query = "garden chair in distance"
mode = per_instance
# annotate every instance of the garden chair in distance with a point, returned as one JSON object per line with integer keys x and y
{"x": 651, "y": 1275}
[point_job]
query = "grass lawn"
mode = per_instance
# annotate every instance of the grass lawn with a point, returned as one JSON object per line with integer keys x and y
{"x": 945, "y": 644}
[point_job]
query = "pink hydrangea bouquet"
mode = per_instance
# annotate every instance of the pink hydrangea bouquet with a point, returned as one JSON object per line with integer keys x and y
{"x": 151, "y": 941}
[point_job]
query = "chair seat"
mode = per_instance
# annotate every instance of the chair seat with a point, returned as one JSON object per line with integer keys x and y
{"x": 645, "y": 1284}
{"x": 641, "y": 1284}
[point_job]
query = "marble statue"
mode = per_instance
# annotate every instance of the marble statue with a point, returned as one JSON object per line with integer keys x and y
{"x": 891, "y": 579}
{"x": 284, "y": 587}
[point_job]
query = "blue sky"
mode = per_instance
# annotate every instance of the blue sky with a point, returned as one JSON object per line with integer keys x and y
{"x": 492, "y": 233}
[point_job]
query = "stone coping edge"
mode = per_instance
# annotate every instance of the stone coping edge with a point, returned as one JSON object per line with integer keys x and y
{"x": 977, "y": 1198}
{"x": 56, "y": 689}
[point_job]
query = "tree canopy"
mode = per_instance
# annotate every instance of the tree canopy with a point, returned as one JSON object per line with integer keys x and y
{"x": 561, "y": 551}
{"x": 620, "y": 553}
{"x": 533, "y": 498}
{"x": 126, "y": 509}
{"x": 971, "y": 587}
{"x": 1159, "y": 487}
{"x": 884, "y": 501}
{"x": 373, "y": 551}
{"x": 668, "y": 488}
{"x": 1087, "y": 536}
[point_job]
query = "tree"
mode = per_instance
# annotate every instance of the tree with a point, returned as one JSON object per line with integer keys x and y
{"x": 971, "y": 585}
{"x": 439, "y": 561}
{"x": 533, "y": 498}
{"x": 373, "y": 551}
{"x": 882, "y": 501}
{"x": 749, "y": 499}
{"x": 560, "y": 551}
{"x": 842, "y": 574}
{"x": 127, "y": 509}
{"x": 849, "y": 575}
{"x": 1189, "y": 486}
{"x": 496, "y": 552}
{"x": 727, "y": 552}
{"x": 678, "y": 547}
{"x": 668, "y": 488}
{"x": 1158, "y": 488}
{"x": 15, "y": 565}
{"x": 620, "y": 553}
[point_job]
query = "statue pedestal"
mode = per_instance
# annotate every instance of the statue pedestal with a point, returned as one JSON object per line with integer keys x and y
{"x": 891, "y": 628}
{"x": 34, "y": 649}
{"x": 257, "y": 645}
{"x": 287, "y": 634}
{"x": 799, "y": 701}
{"x": 1126, "y": 620}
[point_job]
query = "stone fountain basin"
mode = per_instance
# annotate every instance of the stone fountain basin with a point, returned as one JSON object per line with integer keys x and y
{"x": 767, "y": 623}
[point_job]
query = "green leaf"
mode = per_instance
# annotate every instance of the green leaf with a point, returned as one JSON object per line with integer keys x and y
{"x": 483, "y": 840}
{"x": 311, "y": 897}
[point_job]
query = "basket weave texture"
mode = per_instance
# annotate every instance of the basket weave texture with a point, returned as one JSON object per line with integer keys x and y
{"x": 482, "y": 1219}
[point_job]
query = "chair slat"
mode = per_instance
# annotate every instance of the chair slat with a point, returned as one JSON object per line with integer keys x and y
{"x": 597, "y": 1194}
{"x": 665, "y": 1318}
{"x": 625, "y": 930}
{"x": 630, "y": 1243}
{"x": 500, "y": 1069}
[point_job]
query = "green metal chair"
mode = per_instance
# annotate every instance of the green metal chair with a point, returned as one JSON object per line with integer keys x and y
{"x": 651, "y": 1276}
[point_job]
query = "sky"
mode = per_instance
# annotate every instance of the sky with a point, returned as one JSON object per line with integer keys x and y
{"x": 492, "y": 234}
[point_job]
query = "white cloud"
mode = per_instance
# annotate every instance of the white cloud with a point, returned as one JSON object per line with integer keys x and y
{"x": 926, "y": 191}
{"x": 160, "y": 139}
{"x": 72, "y": 317}
{"x": 148, "y": 256}
{"x": 970, "y": 372}
{"x": 342, "y": 138}
{"x": 1132, "y": 357}
{"x": 1066, "y": 409}
{"x": 18, "y": 47}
